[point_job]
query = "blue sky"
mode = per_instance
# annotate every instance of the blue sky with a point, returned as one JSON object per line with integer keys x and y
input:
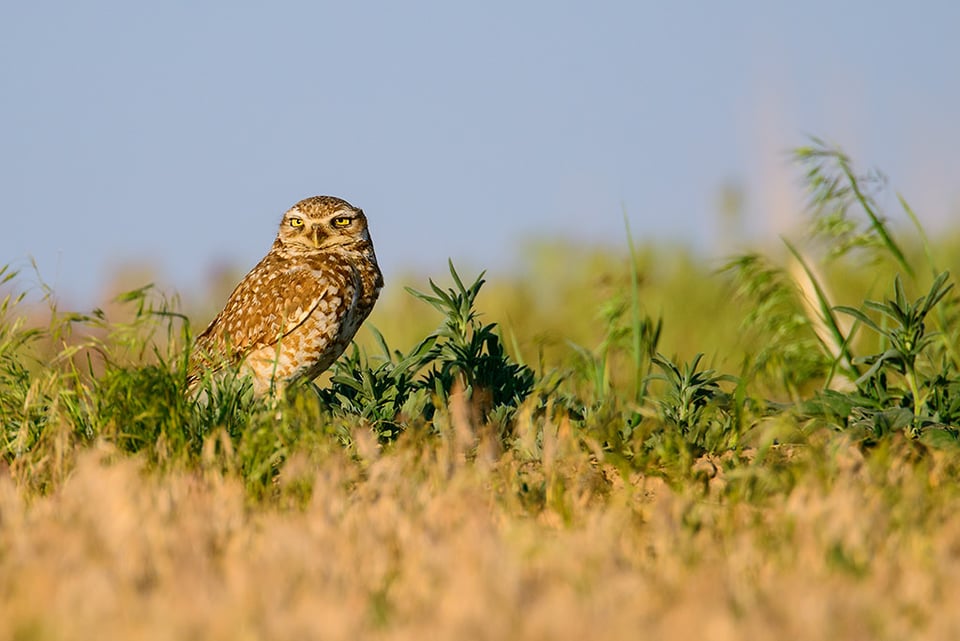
{"x": 177, "y": 133}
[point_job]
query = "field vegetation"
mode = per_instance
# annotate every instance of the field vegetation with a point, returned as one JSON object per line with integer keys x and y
{"x": 618, "y": 444}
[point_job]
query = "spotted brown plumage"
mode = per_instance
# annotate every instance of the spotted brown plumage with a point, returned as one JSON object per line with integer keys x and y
{"x": 293, "y": 315}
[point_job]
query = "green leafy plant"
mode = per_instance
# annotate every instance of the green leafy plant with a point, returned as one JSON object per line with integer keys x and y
{"x": 382, "y": 390}
{"x": 692, "y": 416}
{"x": 690, "y": 396}
{"x": 470, "y": 354}
{"x": 904, "y": 335}
{"x": 387, "y": 389}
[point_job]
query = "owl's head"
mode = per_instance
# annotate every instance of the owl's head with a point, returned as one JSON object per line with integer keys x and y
{"x": 322, "y": 222}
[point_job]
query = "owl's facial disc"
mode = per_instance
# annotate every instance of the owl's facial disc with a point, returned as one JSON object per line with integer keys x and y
{"x": 314, "y": 228}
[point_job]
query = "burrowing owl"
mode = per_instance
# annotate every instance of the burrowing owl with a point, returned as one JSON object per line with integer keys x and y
{"x": 299, "y": 308}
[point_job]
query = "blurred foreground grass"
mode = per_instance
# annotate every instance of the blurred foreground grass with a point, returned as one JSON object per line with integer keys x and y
{"x": 618, "y": 444}
{"x": 415, "y": 543}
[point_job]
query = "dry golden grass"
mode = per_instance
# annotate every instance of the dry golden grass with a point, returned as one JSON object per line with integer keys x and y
{"x": 418, "y": 543}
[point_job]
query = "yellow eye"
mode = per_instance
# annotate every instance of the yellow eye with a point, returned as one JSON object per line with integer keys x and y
{"x": 296, "y": 222}
{"x": 341, "y": 221}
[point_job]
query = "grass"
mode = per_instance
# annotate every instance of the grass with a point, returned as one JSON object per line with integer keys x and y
{"x": 767, "y": 450}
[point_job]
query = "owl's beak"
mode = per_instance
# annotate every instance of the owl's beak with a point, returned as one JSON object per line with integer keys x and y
{"x": 315, "y": 236}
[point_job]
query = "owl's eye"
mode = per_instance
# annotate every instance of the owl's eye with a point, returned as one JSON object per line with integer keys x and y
{"x": 296, "y": 222}
{"x": 341, "y": 221}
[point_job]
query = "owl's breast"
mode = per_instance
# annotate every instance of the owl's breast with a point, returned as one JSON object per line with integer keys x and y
{"x": 322, "y": 338}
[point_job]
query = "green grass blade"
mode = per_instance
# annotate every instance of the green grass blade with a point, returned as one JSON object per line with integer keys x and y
{"x": 826, "y": 310}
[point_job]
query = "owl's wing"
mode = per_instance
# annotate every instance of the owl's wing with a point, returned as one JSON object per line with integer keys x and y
{"x": 266, "y": 306}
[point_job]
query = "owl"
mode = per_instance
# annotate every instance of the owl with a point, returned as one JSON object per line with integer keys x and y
{"x": 293, "y": 315}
